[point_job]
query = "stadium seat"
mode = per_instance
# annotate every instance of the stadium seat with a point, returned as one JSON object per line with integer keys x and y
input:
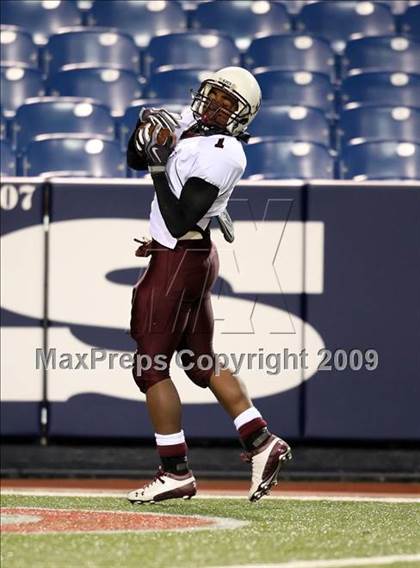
{"x": 381, "y": 160}
{"x": 17, "y": 85}
{"x": 141, "y": 19}
{"x": 288, "y": 160}
{"x": 65, "y": 116}
{"x": 383, "y": 53}
{"x": 128, "y": 121}
{"x": 99, "y": 47}
{"x": 370, "y": 123}
{"x": 340, "y": 21}
{"x": 73, "y": 156}
{"x": 242, "y": 20}
{"x": 175, "y": 84}
{"x": 292, "y": 53}
{"x": 7, "y": 159}
{"x": 17, "y": 47}
{"x": 297, "y": 88}
{"x": 40, "y": 17}
{"x": 197, "y": 49}
{"x": 291, "y": 123}
{"x": 115, "y": 88}
{"x": 397, "y": 89}
{"x": 410, "y": 21}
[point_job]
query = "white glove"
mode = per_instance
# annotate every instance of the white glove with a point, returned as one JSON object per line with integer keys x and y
{"x": 160, "y": 116}
{"x": 157, "y": 154}
{"x": 157, "y": 117}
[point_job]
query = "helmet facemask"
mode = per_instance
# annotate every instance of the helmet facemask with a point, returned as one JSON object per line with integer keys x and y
{"x": 207, "y": 112}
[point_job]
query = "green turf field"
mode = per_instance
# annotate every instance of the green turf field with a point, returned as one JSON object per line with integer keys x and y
{"x": 278, "y": 531}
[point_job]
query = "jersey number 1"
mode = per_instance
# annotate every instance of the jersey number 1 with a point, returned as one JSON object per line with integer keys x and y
{"x": 219, "y": 143}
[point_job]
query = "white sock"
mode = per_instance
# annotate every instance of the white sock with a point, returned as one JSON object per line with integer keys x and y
{"x": 170, "y": 439}
{"x": 246, "y": 416}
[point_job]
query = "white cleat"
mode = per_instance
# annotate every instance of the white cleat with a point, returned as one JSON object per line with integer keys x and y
{"x": 165, "y": 486}
{"x": 266, "y": 463}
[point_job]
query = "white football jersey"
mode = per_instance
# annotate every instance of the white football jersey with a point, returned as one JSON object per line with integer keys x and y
{"x": 218, "y": 159}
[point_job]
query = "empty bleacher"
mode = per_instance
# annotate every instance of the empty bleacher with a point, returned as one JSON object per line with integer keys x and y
{"x": 19, "y": 83}
{"x": 40, "y": 18}
{"x": 243, "y": 21}
{"x": 115, "y": 88}
{"x": 212, "y": 50}
{"x": 297, "y": 87}
{"x": 340, "y": 80}
{"x": 382, "y": 53}
{"x": 278, "y": 159}
{"x": 291, "y": 52}
{"x": 72, "y": 155}
{"x": 66, "y": 116}
{"x": 100, "y": 47}
{"x": 18, "y": 47}
{"x": 339, "y": 22}
{"x": 292, "y": 123}
{"x": 382, "y": 160}
{"x": 142, "y": 20}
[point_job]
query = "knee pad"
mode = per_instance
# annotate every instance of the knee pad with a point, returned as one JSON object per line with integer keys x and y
{"x": 145, "y": 378}
{"x": 194, "y": 371}
{"x": 200, "y": 377}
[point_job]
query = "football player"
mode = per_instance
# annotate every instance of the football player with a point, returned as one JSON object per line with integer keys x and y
{"x": 195, "y": 161}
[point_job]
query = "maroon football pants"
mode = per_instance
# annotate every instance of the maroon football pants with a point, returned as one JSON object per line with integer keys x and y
{"x": 171, "y": 311}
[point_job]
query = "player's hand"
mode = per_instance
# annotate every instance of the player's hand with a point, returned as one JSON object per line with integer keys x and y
{"x": 157, "y": 118}
{"x": 145, "y": 247}
{"x": 142, "y": 137}
{"x": 159, "y": 145}
{"x": 160, "y": 116}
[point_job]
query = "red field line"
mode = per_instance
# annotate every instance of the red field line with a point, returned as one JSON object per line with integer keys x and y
{"x": 36, "y": 520}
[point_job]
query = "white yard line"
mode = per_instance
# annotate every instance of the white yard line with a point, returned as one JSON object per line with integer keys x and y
{"x": 36, "y": 492}
{"x": 304, "y": 497}
{"x": 338, "y": 563}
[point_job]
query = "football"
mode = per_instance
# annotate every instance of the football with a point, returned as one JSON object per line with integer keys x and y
{"x": 163, "y": 135}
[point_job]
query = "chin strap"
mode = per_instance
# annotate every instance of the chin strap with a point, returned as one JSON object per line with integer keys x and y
{"x": 244, "y": 137}
{"x": 200, "y": 129}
